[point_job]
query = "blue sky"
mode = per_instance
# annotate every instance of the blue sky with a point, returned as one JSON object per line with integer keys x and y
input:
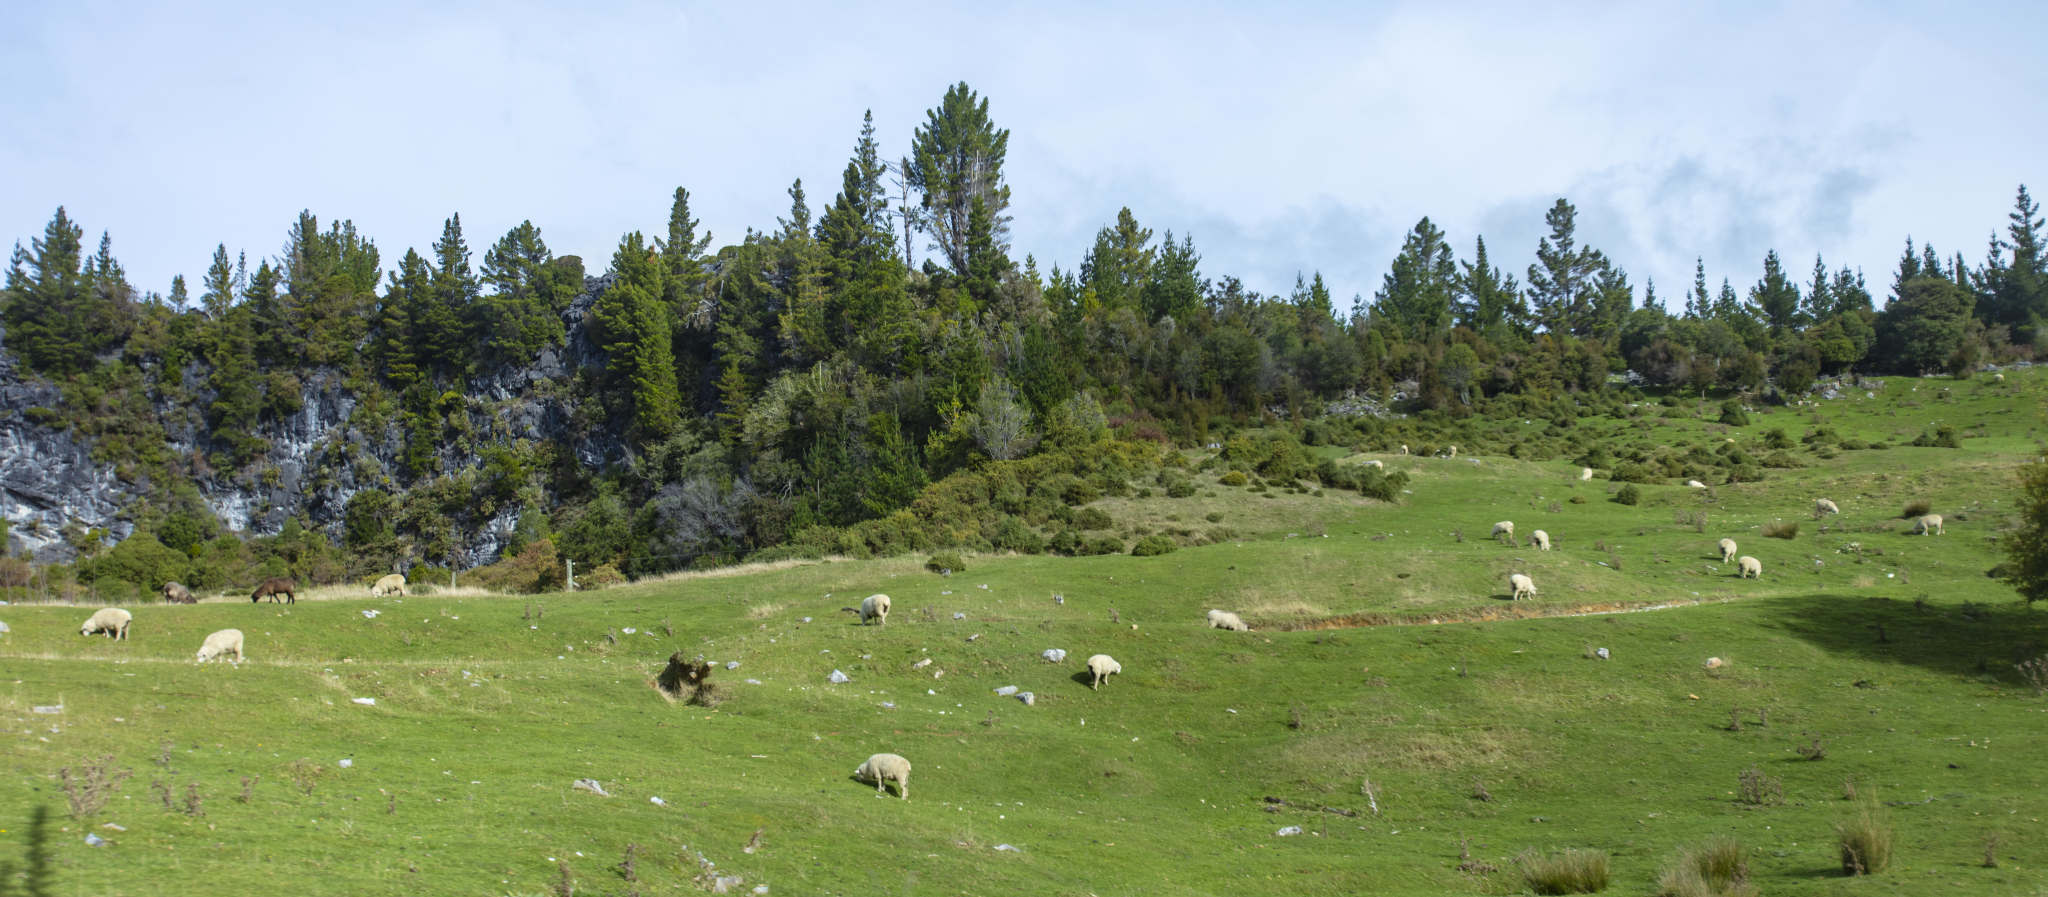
{"x": 1284, "y": 138}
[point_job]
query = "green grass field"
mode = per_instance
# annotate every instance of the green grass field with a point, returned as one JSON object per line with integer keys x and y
{"x": 1494, "y": 728}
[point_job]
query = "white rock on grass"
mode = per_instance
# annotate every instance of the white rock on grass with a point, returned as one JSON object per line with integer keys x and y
{"x": 1008, "y": 848}
{"x": 592, "y": 786}
{"x": 1602, "y": 652}
{"x": 1007, "y": 690}
{"x": 1290, "y": 830}
{"x": 366, "y": 702}
{"x": 732, "y": 664}
{"x": 1054, "y": 655}
{"x": 838, "y": 678}
{"x": 345, "y": 763}
{"x": 1028, "y": 698}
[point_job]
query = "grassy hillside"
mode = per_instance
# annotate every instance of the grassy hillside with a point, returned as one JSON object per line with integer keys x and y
{"x": 1895, "y": 651}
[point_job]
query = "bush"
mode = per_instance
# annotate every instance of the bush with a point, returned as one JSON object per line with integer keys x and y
{"x": 1093, "y": 518}
{"x": 1916, "y": 508}
{"x": 1781, "y": 529}
{"x": 1079, "y": 493}
{"x": 1233, "y": 478}
{"x": 1154, "y": 545}
{"x": 1776, "y": 439}
{"x": 1628, "y": 495}
{"x": 1103, "y": 545}
{"x": 1782, "y": 461}
{"x": 1733, "y": 415}
{"x": 1213, "y": 517}
{"x": 1065, "y": 541}
{"x": 1865, "y": 841}
{"x": 1012, "y": 534}
{"x": 946, "y": 562}
{"x": 1180, "y": 488}
{"x": 1566, "y": 872}
{"x": 1718, "y": 867}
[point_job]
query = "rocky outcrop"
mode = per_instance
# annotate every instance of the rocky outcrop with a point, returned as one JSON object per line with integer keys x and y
{"x": 318, "y": 458}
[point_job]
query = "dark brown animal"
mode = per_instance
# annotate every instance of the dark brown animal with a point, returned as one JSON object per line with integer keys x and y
{"x": 178, "y": 594}
{"x": 271, "y": 588}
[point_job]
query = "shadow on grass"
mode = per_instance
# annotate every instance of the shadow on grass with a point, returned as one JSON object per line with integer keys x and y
{"x": 1962, "y": 640}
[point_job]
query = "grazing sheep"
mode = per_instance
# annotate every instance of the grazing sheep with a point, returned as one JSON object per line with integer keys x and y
{"x": 1100, "y": 667}
{"x": 1540, "y": 539}
{"x": 1523, "y": 586}
{"x": 885, "y": 768}
{"x": 1404, "y": 449}
{"x": 111, "y": 620}
{"x": 1504, "y": 528}
{"x": 1727, "y": 551}
{"x": 1998, "y": 378}
{"x": 1751, "y": 568}
{"x": 1695, "y": 484}
{"x": 1223, "y": 619}
{"x": 177, "y": 594}
{"x": 876, "y": 608}
{"x": 1929, "y": 525}
{"x": 390, "y": 585}
{"x": 271, "y": 588}
{"x": 1454, "y": 452}
{"x": 1585, "y": 473}
{"x": 1823, "y": 506}
{"x": 1376, "y": 463}
{"x": 226, "y": 641}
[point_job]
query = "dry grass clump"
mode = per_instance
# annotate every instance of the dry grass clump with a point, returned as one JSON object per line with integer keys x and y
{"x": 1865, "y": 840}
{"x": 688, "y": 681}
{"x": 1781, "y": 529}
{"x": 1283, "y": 607}
{"x": 1565, "y": 872}
{"x": 1916, "y": 508}
{"x": 1718, "y": 867}
{"x": 765, "y": 609}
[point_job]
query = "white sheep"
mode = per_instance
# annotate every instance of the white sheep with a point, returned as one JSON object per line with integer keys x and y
{"x": 876, "y": 608}
{"x": 1695, "y": 484}
{"x": 1504, "y": 528}
{"x": 1823, "y": 506}
{"x": 1375, "y": 463}
{"x": 1998, "y": 378}
{"x": 1929, "y": 525}
{"x": 885, "y": 768}
{"x": 1727, "y": 551}
{"x": 226, "y": 641}
{"x": 1454, "y": 452}
{"x": 111, "y": 620}
{"x": 1540, "y": 539}
{"x": 1523, "y": 586}
{"x": 1223, "y": 619}
{"x": 390, "y": 585}
{"x": 1585, "y": 473}
{"x": 1751, "y": 568}
{"x": 1100, "y": 667}
{"x": 1404, "y": 449}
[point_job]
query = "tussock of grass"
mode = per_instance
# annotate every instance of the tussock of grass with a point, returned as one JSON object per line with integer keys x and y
{"x": 1717, "y": 867}
{"x": 1781, "y": 529}
{"x": 1916, "y": 508}
{"x": 765, "y": 609}
{"x": 1565, "y": 872}
{"x": 1865, "y": 840}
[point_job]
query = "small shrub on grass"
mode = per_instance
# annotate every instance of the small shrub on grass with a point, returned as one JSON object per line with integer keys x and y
{"x": 1092, "y": 518}
{"x": 1565, "y": 872}
{"x": 1718, "y": 867}
{"x": 1180, "y": 489}
{"x": 1781, "y": 529}
{"x": 1865, "y": 840}
{"x": 1154, "y": 545}
{"x": 1079, "y": 493}
{"x": 1817, "y": 750}
{"x": 1916, "y": 508}
{"x": 1759, "y": 790}
{"x": 1233, "y": 478}
{"x": 1213, "y": 517}
{"x": 88, "y": 786}
{"x": 940, "y": 562}
{"x": 1629, "y": 495}
{"x": 2035, "y": 672}
{"x": 1103, "y": 545}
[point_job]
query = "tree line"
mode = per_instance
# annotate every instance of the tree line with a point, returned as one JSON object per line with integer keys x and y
{"x": 819, "y": 373}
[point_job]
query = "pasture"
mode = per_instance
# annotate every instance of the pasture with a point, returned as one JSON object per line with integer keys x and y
{"x": 1392, "y": 705}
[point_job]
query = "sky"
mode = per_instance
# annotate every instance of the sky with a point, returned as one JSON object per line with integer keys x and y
{"x": 1285, "y": 139}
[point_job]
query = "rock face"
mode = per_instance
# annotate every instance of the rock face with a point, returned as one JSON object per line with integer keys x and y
{"x": 318, "y": 458}
{"x": 48, "y": 479}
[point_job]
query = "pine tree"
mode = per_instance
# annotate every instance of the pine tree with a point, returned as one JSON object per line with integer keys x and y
{"x": 1116, "y": 268}
{"x": 1698, "y": 305}
{"x": 181, "y": 298}
{"x": 955, "y": 156}
{"x": 1493, "y": 299}
{"x": 2016, "y": 292}
{"x": 1562, "y": 282}
{"x": 1820, "y": 297}
{"x": 523, "y": 312}
{"x": 682, "y": 260}
{"x": 868, "y": 310}
{"x": 221, "y": 285}
{"x": 410, "y": 294}
{"x": 445, "y": 332}
{"x": 66, "y": 308}
{"x": 1776, "y": 297}
{"x": 633, "y": 327}
{"x": 1173, "y": 286}
{"x": 1420, "y": 288}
